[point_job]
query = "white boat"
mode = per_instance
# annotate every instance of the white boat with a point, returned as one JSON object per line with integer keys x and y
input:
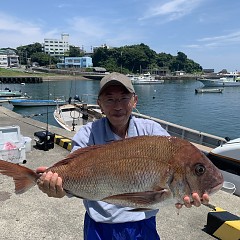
{"x": 146, "y": 78}
{"x": 9, "y": 93}
{"x": 231, "y": 80}
{"x": 227, "y": 158}
{"x": 7, "y": 99}
{"x": 209, "y": 90}
{"x": 36, "y": 102}
{"x": 73, "y": 116}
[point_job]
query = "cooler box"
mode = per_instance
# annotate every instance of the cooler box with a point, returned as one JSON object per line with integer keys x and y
{"x": 44, "y": 140}
{"x": 12, "y": 148}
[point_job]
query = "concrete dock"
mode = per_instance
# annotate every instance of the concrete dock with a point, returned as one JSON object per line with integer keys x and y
{"x": 33, "y": 215}
{"x": 21, "y": 79}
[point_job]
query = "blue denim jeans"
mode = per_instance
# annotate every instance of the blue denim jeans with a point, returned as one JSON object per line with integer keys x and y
{"x": 140, "y": 230}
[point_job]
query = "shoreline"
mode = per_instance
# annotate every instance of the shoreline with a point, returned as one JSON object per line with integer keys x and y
{"x": 58, "y": 75}
{"x": 45, "y": 78}
{"x": 64, "y": 77}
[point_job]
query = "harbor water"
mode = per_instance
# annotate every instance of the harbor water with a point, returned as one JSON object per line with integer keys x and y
{"x": 173, "y": 101}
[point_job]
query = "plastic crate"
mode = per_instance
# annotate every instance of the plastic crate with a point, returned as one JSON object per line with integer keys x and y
{"x": 11, "y": 134}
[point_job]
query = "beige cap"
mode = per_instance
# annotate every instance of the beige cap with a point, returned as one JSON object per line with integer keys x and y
{"x": 116, "y": 79}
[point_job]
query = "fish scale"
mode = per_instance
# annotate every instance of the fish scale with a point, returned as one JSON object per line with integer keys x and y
{"x": 140, "y": 172}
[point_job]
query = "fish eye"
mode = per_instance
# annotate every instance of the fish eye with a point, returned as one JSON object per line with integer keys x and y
{"x": 199, "y": 169}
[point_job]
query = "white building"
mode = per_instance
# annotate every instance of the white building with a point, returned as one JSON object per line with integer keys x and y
{"x": 8, "y": 58}
{"x": 57, "y": 47}
{"x": 3, "y": 61}
{"x": 13, "y": 60}
{"x": 102, "y": 46}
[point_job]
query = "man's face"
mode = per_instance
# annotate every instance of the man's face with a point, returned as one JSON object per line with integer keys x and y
{"x": 117, "y": 103}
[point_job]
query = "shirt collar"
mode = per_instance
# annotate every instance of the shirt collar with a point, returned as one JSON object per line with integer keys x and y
{"x": 110, "y": 135}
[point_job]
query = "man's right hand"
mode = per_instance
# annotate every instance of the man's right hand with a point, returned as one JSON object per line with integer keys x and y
{"x": 50, "y": 183}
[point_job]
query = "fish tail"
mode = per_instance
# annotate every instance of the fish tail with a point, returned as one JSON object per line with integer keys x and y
{"x": 24, "y": 178}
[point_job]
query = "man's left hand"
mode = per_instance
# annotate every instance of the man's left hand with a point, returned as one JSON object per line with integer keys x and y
{"x": 197, "y": 201}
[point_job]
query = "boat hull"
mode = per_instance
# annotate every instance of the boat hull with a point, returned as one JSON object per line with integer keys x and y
{"x": 146, "y": 82}
{"x": 227, "y": 158}
{"x": 4, "y": 94}
{"x": 35, "y": 103}
{"x": 73, "y": 116}
{"x": 219, "y": 83}
{"x": 144, "y": 79}
{"x": 209, "y": 90}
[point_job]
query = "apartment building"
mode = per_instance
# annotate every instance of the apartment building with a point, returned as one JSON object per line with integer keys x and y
{"x": 57, "y": 47}
{"x": 76, "y": 62}
{"x": 8, "y": 58}
{"x": 3, "y": 61}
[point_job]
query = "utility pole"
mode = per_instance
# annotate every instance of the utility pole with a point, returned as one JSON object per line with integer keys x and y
{"x": 121, "y": 61}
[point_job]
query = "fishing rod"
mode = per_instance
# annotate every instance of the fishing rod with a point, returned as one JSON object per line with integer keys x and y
{"x": 45, "y": 139}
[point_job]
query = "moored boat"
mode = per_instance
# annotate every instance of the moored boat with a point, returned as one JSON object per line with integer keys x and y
{"x": 209, "y": 90}
{"x": 227, "y": 158}
{"x": 72, "y": 116}
{"x": 146, "y": 78}
{"x": 7, "y": 99}
{"x": 225, "y": 81}
{"x": 36, "y": 102}
{"x": 9, "y": 93}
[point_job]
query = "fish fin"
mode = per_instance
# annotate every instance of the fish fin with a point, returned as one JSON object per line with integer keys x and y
{"x": 70, "y": 194}
{"x": 75, "y": 154}
{"x": 24, "y": 178}
{"x": 140, "y": 210}
{"x": 139, "y": 198}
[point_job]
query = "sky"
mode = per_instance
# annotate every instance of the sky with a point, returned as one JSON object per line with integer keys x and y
{"x": 207, "y": 31}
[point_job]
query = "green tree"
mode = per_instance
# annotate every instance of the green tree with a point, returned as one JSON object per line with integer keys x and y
{"x": 43, "y": 59}
{"x": 164, "y": 59}
{"x": 100, "y": 56}
{"x": 126, "y": 59}
{"x": 181, "y": 57}
{"x": 26, "y": 52}
{"x": 75, "y": 52}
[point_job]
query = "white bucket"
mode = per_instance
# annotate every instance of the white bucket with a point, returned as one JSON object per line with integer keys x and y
{"x": 228, "y": 187}
{"x": 28, "y": 144}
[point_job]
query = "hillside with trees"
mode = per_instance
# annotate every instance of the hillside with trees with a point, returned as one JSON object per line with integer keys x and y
{"x": 135, "y": 58}
{"x": 126, "y": 59}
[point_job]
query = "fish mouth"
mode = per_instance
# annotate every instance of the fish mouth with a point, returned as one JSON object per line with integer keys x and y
{"x": 215, "y": 189}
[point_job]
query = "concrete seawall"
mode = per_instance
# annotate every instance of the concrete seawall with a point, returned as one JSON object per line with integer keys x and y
{"x": 33, "y": 215}
{"x": 21, "y": 79}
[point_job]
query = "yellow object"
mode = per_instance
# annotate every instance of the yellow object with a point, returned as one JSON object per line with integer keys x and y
{"x": 223, "y": 225}
{"x": 63, "y": 142}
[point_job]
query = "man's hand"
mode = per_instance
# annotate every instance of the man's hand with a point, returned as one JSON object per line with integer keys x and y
{"x": 196, "y": 201}
{"x": 50, "y": 183}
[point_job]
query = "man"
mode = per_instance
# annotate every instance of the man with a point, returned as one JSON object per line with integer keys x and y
{"x": 105, "y": 221}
